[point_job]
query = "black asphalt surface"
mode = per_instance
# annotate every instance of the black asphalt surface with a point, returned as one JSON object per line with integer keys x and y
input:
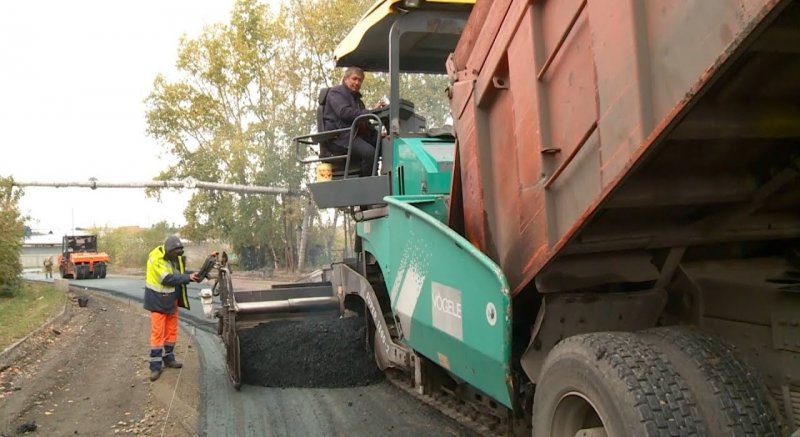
{"x": 313, "y": 353}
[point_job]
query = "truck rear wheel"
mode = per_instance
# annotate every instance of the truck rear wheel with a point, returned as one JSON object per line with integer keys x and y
{"x": 100, "y": 270}
{"x": 82, "y": 271}
{"x": 612, "y": 384}
{"x": 731, "y": 397}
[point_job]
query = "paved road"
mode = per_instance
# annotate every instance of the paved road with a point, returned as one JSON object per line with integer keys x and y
{"x": 133, "y": 287}
{"x": 379, "y": 409}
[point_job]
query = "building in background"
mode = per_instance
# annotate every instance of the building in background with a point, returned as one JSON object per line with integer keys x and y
{"x": 39, "y": 246}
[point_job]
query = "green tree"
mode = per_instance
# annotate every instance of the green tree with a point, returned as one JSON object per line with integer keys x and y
{"x": 131, "y": 249}
{"x": 245, "y": 89}
{"x": 13, "y": 225}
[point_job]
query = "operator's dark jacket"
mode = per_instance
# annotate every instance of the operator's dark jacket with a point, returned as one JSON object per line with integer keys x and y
{"x": 342, "y": 106}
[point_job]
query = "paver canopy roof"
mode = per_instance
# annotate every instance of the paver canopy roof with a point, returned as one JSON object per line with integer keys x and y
{"x": 430, "y": 31}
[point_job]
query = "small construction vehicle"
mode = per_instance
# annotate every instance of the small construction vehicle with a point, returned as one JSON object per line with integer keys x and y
{"x": 79, "y": 258}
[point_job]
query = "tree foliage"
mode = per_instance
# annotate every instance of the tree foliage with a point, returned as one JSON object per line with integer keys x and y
{"x": 131, "y": 249}
{"x": 425, "y": 91}
{"x": 13, "y": 225}
{"x": 245, "y": 89}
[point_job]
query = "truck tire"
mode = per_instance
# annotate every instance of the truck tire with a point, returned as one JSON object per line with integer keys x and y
{"x": 100, "y": 270}
{"x": 615, "y": 384}
{"x": 731, "y": 397}
{"x": 82, "y": 271}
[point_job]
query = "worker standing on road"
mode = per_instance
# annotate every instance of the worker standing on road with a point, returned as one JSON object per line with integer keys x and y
{"x": 48, "y": 267}
{"x": 164, "y": 292}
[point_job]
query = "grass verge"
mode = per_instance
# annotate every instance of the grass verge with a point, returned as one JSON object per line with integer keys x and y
{"x": 33, "y": 305}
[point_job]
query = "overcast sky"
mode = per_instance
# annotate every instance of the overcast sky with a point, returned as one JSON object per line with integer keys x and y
{"x": 73, "y": 78}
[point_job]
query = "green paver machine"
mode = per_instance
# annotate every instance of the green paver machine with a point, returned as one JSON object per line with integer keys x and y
{"x": 435, "y": 304}
{"x": 415, "y": 165}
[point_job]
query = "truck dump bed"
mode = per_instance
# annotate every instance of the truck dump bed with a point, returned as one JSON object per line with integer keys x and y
{"x": 592, "y": 127}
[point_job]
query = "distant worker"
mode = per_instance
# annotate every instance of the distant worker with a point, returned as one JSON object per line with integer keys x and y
{"x": 165, "y": 291}
{"x": 342, "y": 105}
{"x": 48, "y": 267}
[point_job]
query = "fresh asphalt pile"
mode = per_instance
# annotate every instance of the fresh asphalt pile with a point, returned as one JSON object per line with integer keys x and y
{"x": 313, "y": 353}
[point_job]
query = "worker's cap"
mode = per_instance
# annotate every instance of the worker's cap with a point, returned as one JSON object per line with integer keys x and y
{"x": 172, "y": 242}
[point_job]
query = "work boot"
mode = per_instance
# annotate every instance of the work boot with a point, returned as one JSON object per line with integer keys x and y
{"x": 154, "y": 374}
{"x": 173, "y": 364}
{"x": 169, "y": 357}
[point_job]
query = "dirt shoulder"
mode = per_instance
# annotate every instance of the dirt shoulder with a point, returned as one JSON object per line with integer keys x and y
{"x": 86, "y": 374}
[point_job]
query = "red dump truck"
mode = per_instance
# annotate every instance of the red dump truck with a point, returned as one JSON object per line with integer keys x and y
{"x": 634, "y": 167}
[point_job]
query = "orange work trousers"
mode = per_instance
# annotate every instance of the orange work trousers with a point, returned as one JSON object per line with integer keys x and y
{"x": 163, "y": 329}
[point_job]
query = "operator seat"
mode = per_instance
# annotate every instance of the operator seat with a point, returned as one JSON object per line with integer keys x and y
{"x": 324, "y": 152}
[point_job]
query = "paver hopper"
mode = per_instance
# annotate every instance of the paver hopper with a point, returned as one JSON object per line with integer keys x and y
{"x": 241, "y": 310}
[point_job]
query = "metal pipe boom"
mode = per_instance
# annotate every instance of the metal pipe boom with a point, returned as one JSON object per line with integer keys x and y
{"x": 187, "y": 183}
